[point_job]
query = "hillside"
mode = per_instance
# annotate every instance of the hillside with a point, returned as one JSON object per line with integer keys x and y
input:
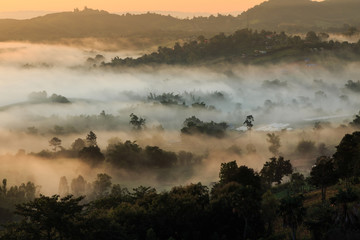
{"x": 100, "y": 24}
{"x": 246, "y": 46}
{"x": 150, "y": 29}
{"x": 303, "y": 15}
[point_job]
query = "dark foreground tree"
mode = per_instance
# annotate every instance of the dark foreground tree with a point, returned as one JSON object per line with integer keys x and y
{"x": 323, "y": 175}
{"x": 347, "y": 156}
{"x": 48, "y": 218}
{"x": 292, "y": 212}
{"x": 230, "y": 172}
{"x": 275, "y": 170}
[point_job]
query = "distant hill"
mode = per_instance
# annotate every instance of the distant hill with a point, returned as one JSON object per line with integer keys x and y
{"x": 304, "y": 15}
{"x": 152, "y": 29}
{"x": 95, "y": 23}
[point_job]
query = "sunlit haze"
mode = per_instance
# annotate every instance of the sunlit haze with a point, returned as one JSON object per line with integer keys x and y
{"x": 131, "y": 5}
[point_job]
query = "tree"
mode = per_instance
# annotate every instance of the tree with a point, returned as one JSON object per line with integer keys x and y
{"x": 269, "y": 208}
{"x": 292, "y": 211}
{"x": 249, "y": 122}
{"x": 312, "y": 37}
{"x": 38, "y": 96}
{"x": 102, "y": 185}
{"x": 193, "y": 125}
{"x": 92, "y": 153}
{"x": 323, "y": 175}
{"x": 156, "y": 157}
{"x": 347, "y": 156}
{"x": 346, "y": 218}
{"x": 91, "y": 139}
{"x": 274, "y": 141}
{"x": 55, "y": 143}
{"x": 50, "y": 218}
{"x": 137, "y": 123}
{"x": 78, "y": 145}
{"x": 275, "y": 169}
{"x": 237, "y": 210}
{"x": 4, "y": 186}
{"x": 306, "y": 148}
{"x": 230, "y": 172}
{"x": 63, "y": 187}
{"x": 78, "y": 186}
{"x": 126, "y": 155}
{"x": 319, "y": 220}
{"x": 356, "y": 122}
{"x": 58, "y": 99}
{"x": 297, "y": 181}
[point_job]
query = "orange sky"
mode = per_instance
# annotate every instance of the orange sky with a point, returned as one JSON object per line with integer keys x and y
{"x": 212, "y": 6}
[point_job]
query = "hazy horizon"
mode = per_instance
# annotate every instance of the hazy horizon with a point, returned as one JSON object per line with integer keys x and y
{"x": 22, "y": 15}
{"x": 202, "y": 6}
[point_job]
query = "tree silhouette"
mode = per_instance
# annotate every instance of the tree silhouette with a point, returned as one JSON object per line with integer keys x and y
{"x": 274, "y": 141}
{"x": 249, "y": 122}
{"x": 347, "y": 156}
{"x": 55, "y": 143}
{"x": 78, "y": 186}
{"x": 78, "y": 145}
{"x": 91, "y": 139}
{"x": 102, "y": 185}
{"x": 275, "y": 169}
{"x": 137, "y": 123}
{"x": 292, "y": 211}
{"x": 63, "y": 186}
{"x": 323, "y": 174}
{"x": 51, "y": 217}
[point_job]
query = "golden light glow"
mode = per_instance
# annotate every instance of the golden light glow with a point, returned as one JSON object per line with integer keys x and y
{"x": 211, "y": 6}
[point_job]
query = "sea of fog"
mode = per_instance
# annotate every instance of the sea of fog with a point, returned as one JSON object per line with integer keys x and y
{"x": 285, "y": 93}
{"x": 285, "y": 96}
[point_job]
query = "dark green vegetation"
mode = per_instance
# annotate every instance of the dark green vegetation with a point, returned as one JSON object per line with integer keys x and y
{"x": 146, "y": 30}
{"x": 250, "y": 47}
{"x": 243, "y": 204}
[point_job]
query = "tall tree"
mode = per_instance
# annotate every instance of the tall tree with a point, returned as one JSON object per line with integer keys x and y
{"x": 63, "y": 186}
{"x": 102, "y": 185}
{"x": 274, "y": 141}
{"x": 275, "y": 169}
{"x": 249, "y": 122}
{"x": 347, "y": 156}
{"x": 91, "y": 139}
{"x": 323, "y": 174}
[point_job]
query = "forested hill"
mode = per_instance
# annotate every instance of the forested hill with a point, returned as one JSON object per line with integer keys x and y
{"x": 101, "y": 24}
{"x": 303, "y": 15}
{"x": 249, "y": 47}
{"x": 274, "y": 15}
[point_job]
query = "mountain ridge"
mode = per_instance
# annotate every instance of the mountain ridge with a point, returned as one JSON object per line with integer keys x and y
{"x": 296, "y": 16}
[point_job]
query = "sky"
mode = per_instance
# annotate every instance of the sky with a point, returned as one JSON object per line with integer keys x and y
{"x": 210, "y": 6}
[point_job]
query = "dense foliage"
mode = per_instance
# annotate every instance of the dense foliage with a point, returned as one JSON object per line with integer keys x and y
{"x": 243, "y": 204}
{"x": 245, "y": 46}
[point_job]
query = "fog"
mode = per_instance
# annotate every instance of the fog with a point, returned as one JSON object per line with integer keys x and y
{"x": 286, "y": 98}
